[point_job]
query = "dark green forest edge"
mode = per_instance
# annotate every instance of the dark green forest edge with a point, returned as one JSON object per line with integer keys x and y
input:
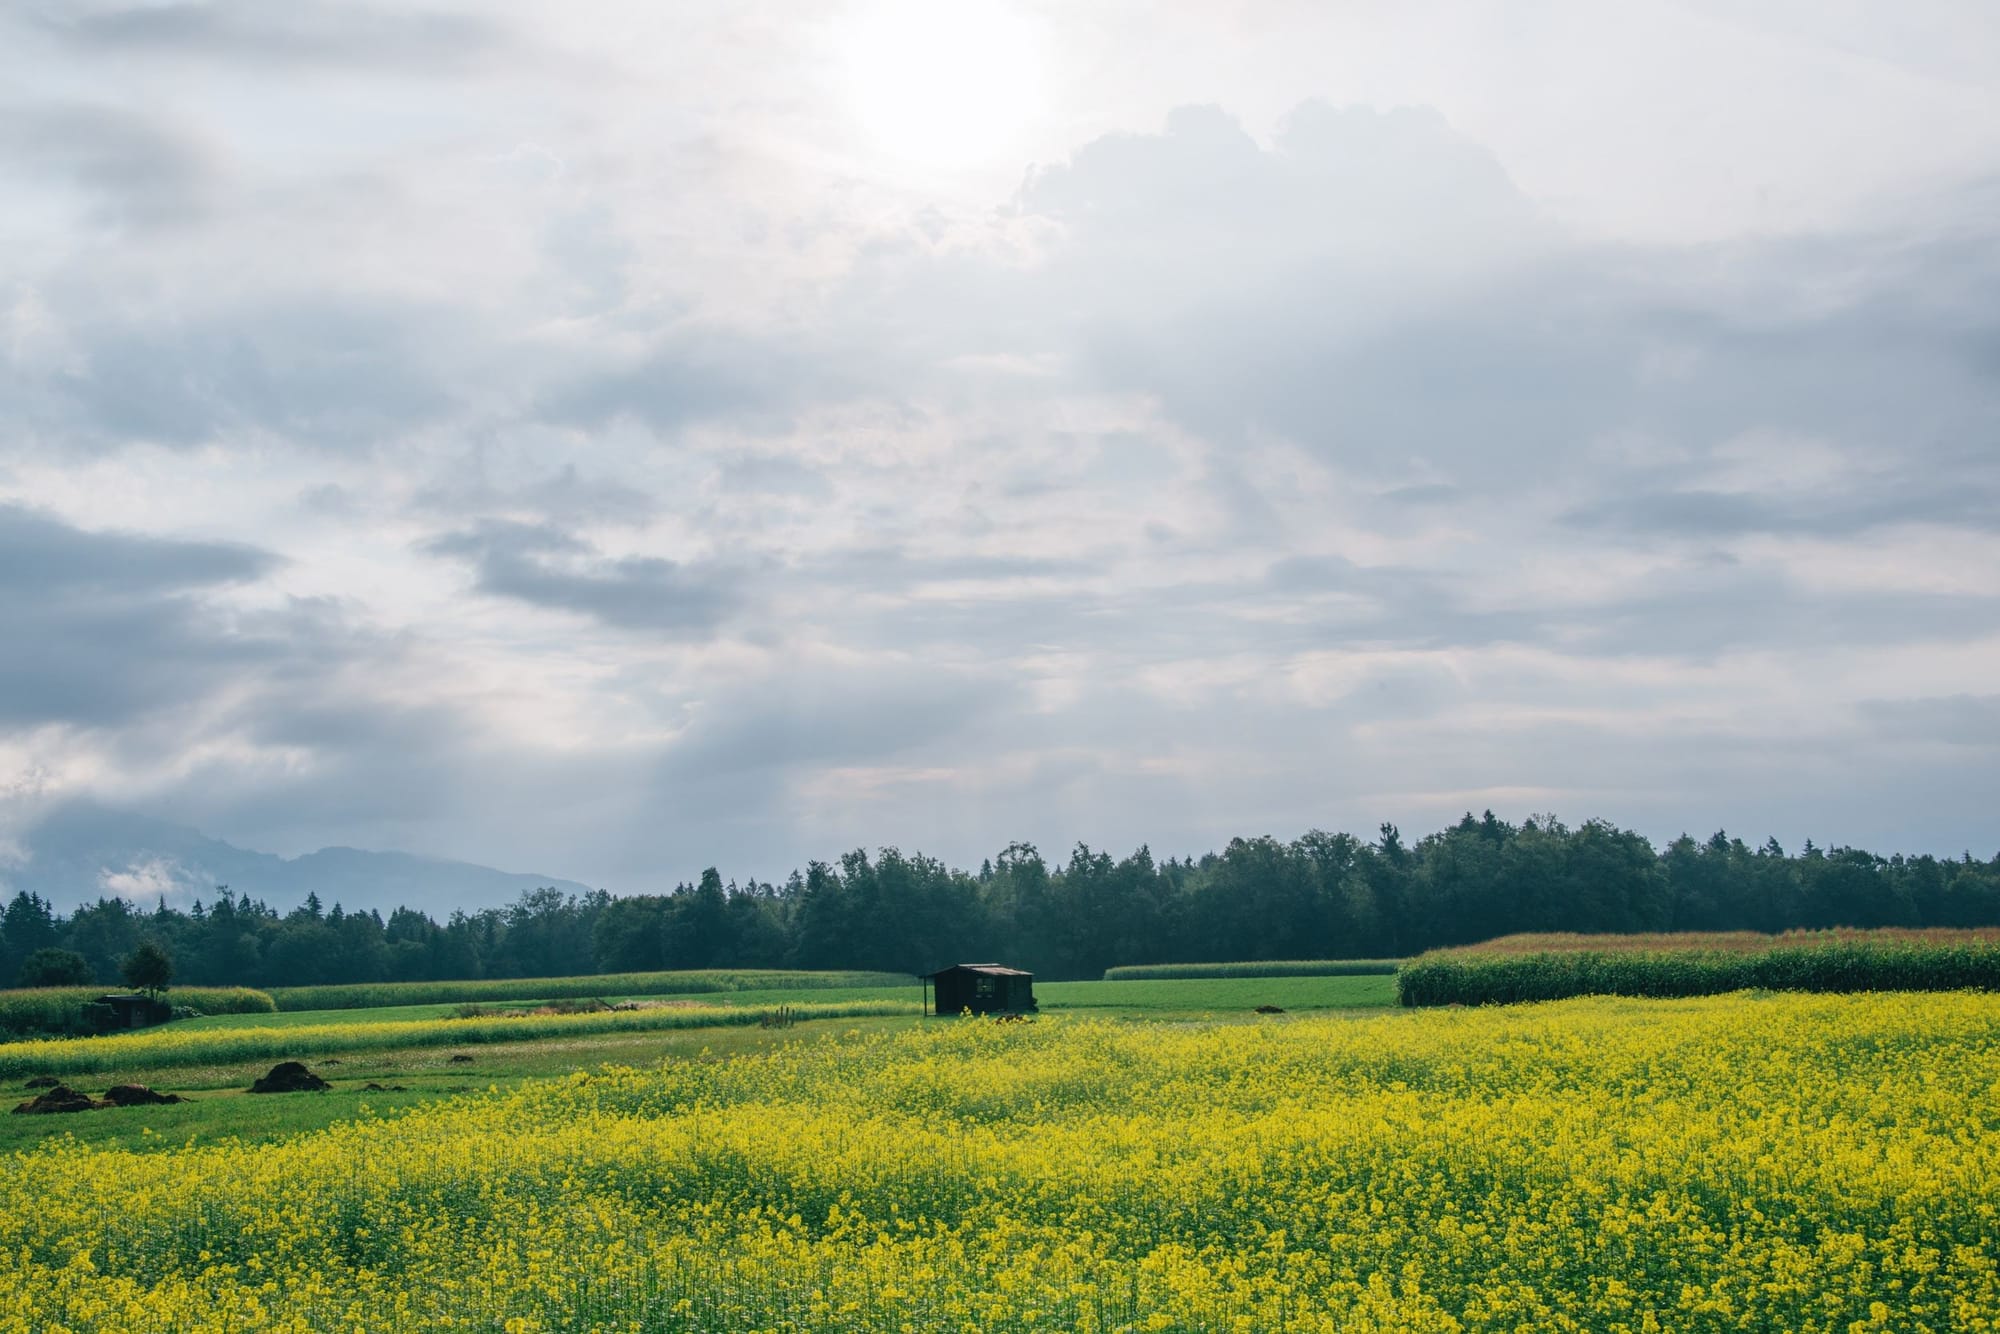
{"x": 1324, "y": 896}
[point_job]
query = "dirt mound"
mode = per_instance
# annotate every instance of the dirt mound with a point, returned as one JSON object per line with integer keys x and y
{"x": 290, "y": 1077}
{"x": 138, "y": 1095}
{"x": 61, "y": 1098}
{"x": 1270, "y": 1009}
{"x": 372, "y": 1087}
{"x": 460, "y": 1058}
{"x": 42, "y": 1082}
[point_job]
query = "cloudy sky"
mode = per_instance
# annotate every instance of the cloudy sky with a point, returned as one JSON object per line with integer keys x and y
{"x": 613, "y": 439}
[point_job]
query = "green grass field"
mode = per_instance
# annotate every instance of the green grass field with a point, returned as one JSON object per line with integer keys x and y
{"x": 1218, "y": 996}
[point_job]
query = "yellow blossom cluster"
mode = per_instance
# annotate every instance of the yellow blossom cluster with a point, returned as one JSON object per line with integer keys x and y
{"x": 1803, "y": 1163}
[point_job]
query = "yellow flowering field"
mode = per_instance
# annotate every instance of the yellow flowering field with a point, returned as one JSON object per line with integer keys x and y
{"x": 1798, "y": 1163}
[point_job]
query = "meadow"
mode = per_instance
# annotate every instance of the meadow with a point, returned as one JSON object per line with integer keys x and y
{"x": 1787, "y": 1162}
{"x": 1254, "y": 968}
{"x": 174, "y": 1045}
{"x": 684, "y": 982}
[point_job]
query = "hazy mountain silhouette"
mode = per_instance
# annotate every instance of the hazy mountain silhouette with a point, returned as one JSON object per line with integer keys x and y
{"x": 81, "y": 852}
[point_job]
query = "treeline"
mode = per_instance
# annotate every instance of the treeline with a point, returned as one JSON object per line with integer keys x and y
{"x": 1327, "y": 896}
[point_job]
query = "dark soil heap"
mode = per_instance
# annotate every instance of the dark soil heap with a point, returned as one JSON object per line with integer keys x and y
{"x": 42, "y": 1082}
{"x": 138, "y": 1095}
{"x": 61, "y": 1098}
{"x": 290, "y": 1077}
{"x": 1270, "y": 1009}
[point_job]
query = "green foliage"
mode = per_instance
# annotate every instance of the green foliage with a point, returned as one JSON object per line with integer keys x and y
{"x": 1138, "y": 972}
{"x": 50, "y": 967}
{"x": 686, "y": 983}
{"x": 58, "y": 1012}
{"x": 1854, "y": 963}
{"x": 149, "y": 969}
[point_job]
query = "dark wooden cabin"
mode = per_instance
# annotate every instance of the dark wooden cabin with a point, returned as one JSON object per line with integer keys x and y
{"x": 983, "y": 988}
{"x": 108, "y": 1014}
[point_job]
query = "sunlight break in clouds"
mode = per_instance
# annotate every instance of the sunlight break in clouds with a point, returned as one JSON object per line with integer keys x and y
{"x": 941, "y": 84}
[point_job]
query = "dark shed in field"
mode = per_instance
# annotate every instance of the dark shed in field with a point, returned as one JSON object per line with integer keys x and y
{"x": 107, "y": 1013}
{"x": 983, "y": 988}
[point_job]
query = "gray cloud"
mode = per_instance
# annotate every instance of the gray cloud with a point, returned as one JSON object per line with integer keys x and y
{"x": 301, "y": 32}
{"x": 1956, "y": 720}
{"x": 135, "y": 170}
{"x": 545, "y": 567}
{"x": 103, "y": 628}
{"x": 318, "y": 370}
{"x": 567, "y": 496}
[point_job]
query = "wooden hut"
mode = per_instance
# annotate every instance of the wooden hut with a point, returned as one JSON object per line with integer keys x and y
{"x": 107, "y": 1014}
{"x": 982, "y": 988}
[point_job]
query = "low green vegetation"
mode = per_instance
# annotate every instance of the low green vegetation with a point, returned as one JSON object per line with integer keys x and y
{"x": 1690, "y": 965}
{"x": 903, "y": 989}
{"x": 1144, "y": 972}
{"x": 59, "y": 1011}
{"x": 1216, "y": 997}
{"x": 170, "y": 1046}
{"x": 689, "y": 982}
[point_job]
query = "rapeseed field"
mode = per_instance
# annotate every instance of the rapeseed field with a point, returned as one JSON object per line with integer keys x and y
{"x": 1806, "y": 1163}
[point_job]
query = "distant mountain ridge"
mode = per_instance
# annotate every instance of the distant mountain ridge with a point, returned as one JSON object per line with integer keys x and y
{"x": 81, "y": 852}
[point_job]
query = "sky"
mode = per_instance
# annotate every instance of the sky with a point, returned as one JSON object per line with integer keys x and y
{"x": 617, "y": 439}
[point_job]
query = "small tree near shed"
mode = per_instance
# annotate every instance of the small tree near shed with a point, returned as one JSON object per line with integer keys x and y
{"x": 149, "y": 969}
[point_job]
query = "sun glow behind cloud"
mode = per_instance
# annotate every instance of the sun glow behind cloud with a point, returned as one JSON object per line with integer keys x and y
{"x": 941, "y": 85}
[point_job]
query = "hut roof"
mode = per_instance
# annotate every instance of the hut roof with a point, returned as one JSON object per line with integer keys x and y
{"x": 991, "y": 969}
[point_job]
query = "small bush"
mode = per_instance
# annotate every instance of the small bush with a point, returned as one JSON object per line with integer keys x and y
{"x": 1154, "y": 972}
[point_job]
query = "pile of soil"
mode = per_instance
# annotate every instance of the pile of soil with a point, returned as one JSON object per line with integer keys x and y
{"x": 460, "y": 1058}
{"x": 61, "y": 1098}
{"x": 138, "y": 1095}
{"x": 1270, "y": 1009}
{"x": 290, "y": 1077}
{"x": 42, "y": 1082}
{"x": 372, "y": 1087}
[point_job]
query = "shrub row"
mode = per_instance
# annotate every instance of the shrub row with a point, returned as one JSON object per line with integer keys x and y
{"x": 373, "y": 995}
{"x": 59, "y": 1011}
{"x": 1152, "y": 972}
{"x": 1466, "y": 977}
{"x": 1734, "y": 942}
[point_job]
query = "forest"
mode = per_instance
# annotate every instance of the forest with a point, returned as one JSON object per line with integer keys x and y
{"x": 1318, "y": 896}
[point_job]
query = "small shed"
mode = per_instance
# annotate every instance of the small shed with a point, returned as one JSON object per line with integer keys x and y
{"x": 982, "y": 988}
{"x": 110, "y": 1013}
